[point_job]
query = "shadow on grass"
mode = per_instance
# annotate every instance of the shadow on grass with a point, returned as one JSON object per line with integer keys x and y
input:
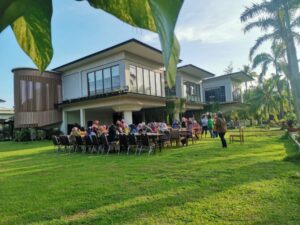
{"x": 130, "y": 210}
{"x": 292, "y": 151}
{"x": 20, "y": 146}
{"x": 167, "y": 180}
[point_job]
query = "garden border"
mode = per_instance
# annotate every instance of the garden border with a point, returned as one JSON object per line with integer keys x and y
{"x": 293, "y": 135}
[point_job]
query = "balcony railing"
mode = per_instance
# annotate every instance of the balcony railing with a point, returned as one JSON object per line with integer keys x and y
{"x": 193, "y": 99}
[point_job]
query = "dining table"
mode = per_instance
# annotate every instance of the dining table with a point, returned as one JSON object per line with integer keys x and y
{"x": 156, "y": 138}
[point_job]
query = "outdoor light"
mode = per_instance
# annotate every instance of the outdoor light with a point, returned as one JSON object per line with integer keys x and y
{"x": 1, "y": 100}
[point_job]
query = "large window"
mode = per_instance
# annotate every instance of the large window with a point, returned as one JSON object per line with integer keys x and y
{"x": 215, "y": 94}
{"x": 152, "y": 83}
{"x": 192, "y": 91}
{"x": 133, "y": 79}
{"x": 115, "y": 77}
{"x": 145, "y": 81}
{"x": 140, "y": 80}
{"x": 104, "y": 80}
{"x": 91, "y": 83}
{"x": 99, "y": 81}
{"x": 158, "y": 84}
{"x": 107, "y": 80}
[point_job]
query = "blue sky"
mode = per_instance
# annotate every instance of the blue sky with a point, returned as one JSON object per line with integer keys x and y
{"x": 210, "y": 34}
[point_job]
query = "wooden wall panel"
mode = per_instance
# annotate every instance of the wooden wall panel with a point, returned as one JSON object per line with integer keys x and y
{"x": 40, "y": 106}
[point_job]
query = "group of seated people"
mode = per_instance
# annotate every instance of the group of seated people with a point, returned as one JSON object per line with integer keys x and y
{"x": 121, "y": 127}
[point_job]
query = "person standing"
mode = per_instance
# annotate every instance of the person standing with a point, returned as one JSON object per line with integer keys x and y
{"x": 210, "y": 125}
{"x": 204, "y": 122}
{"x": 215, "y": 132}
{"x": 221, "y": 128}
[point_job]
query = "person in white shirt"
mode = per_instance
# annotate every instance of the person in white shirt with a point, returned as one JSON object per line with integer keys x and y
{"x": 204, "y": 123}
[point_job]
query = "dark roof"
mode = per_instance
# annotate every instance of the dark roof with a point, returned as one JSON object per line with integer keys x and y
{"x": 111, "y": 48}
{"x": 232, "y": 75}
{"x": 28, "y": 68}
{"x": 1, "y": 100}
{"x": 196, "y": 67}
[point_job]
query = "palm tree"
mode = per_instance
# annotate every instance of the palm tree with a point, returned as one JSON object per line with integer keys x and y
{"x": 247, "y": 70}
{"x": 276, "y": 19}
{"x": 264, "y": 100}
{"x": 266, "y": 59}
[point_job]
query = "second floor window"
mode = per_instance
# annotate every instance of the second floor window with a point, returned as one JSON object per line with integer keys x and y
{"x": 145, "y": 81}
{"x": 216, "y": 94}
{"x": 103, "y": 81}
{"x": 192, "y": 91}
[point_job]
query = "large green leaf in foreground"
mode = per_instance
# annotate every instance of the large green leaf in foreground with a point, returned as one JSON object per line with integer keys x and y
{"x": 12, "y": 10}
{"x": 155, "y": 15}
{"x": 31, "y": 23}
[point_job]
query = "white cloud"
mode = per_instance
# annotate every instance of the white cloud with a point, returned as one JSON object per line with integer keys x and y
{"x": 150, "y": 37}
{"x": 214, "y": 33}
{"x": 211, "y": 21}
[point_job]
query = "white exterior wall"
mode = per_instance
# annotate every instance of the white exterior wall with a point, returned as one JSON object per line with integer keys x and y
{"x": 73, "y": 117}
{"x": 214, "y": 83}
{"x": 104, "y": 116}
{"x": 74, "y": 82}
{"x": 131, "y": 59}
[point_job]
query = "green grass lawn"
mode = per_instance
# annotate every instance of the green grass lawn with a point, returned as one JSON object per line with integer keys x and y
{"x": 257, "y": 183}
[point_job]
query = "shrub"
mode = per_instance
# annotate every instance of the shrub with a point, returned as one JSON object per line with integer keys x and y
{"x": 40, "y": 135}
{"x": 52, "y": 132}
{"x": 22, "y": 135}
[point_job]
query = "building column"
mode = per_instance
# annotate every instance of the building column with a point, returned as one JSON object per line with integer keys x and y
{"x": 128, "y": 117}
{"x": 64, "y": 123}
{"x": 82, "y": 118}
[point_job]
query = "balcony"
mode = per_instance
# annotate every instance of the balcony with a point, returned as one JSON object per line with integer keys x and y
{"x": 193, "y": 98}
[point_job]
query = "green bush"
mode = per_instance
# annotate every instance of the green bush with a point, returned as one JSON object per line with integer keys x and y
{"x": 22, "y": 134}
{"x": 52, "y": 132}
{"x": 40, "y": 135}
{"x": 34, "y": 134}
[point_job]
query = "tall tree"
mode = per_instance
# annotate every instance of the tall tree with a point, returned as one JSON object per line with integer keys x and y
{"x": 275, "y": 58}
{"x": 263, "y": 100}
{"x": 247, "y": 70}
{"x": 276, "y": 19}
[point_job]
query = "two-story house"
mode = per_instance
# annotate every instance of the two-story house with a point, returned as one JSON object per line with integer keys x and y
{"x": 124, "y": 81}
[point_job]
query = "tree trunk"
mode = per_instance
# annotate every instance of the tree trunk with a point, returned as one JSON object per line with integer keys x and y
{"x": 292, "y": 64}
{"x": 289, "y": 96}
{"x": 281, "y": 109}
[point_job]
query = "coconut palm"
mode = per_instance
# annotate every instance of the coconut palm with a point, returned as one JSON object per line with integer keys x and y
{"x": 284, "y": 68}
{"x": 264, "y": 100}
{"x": 247, "y": 70}
{"x": 277, "y": 19}
{"x": 275, "y": 58}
